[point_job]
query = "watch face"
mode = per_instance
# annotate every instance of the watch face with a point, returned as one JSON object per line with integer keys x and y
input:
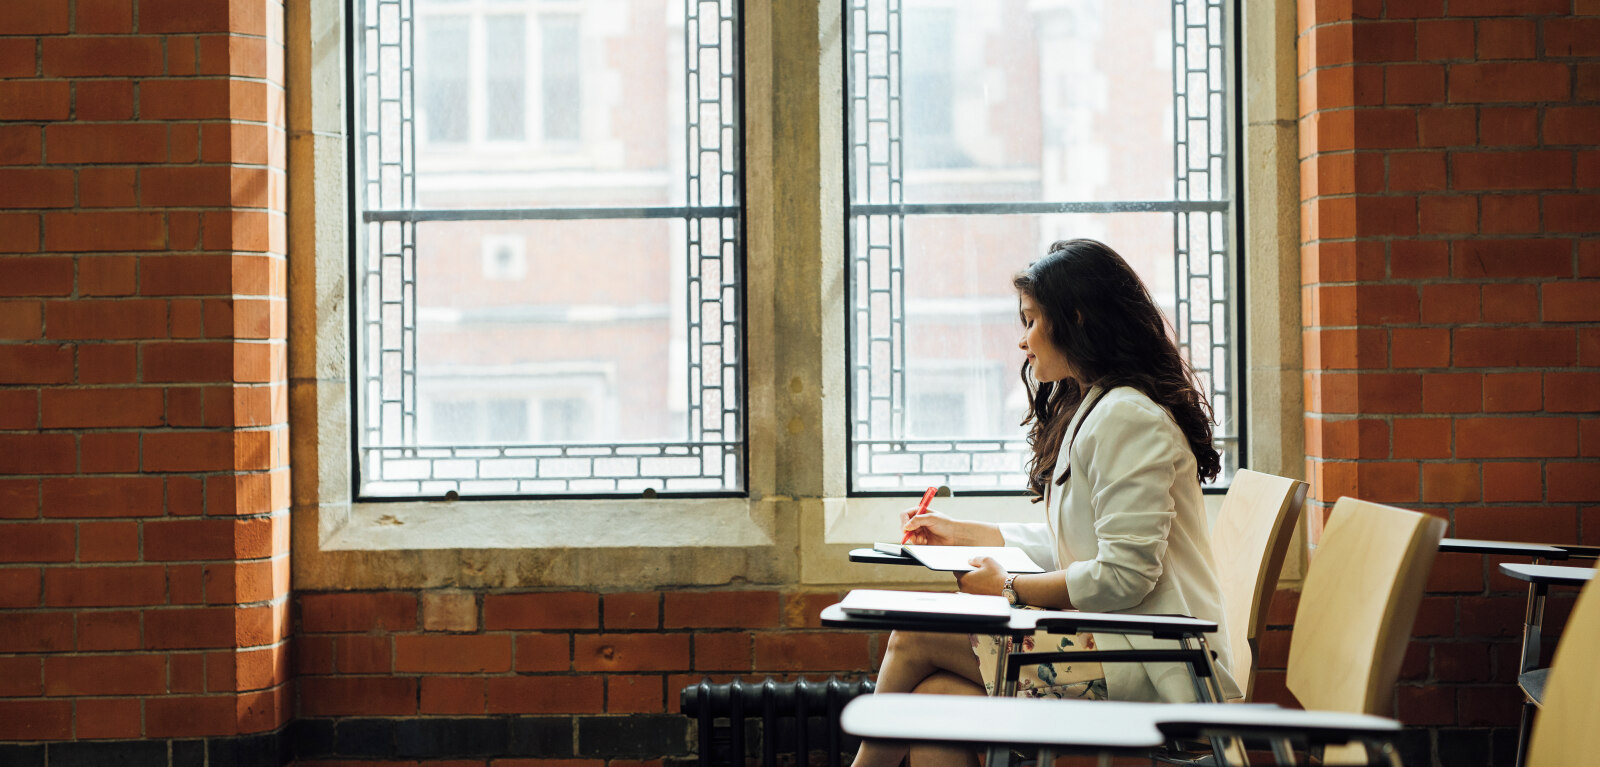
{"x": 1010, "y": 594}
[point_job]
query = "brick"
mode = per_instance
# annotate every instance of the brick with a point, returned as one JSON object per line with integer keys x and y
{"x": 200, "y": 539}
{"x": 19, "y": 233}
{"x": 17, "y": 58}
{"x": 110, "y": 718}
{"x": 104, "y": 231}
{"x": 1451, "y": 483}
{"x": 543, "y": 652}
{"x": 1572, "y": 482}
{"x": 1420, "y": 347}
{"x": 723, "y": 651}
{"x": 1571, "y": 301}
{"x": 108, "y": 542}
{"x": 1413, "y": 84}
{"x": 35, "y": 17}
{"x": 435, "y": 654}
{"x": 1447, "y": 126}
{"x": 1507, "y": 7}
{"x": 19, "y": 587}
{"x": 198, "y": 716}
{"x": 453, "y": 695}
{"x": 1425, "y": 706}
{"x": 21, "y": 320}
{"x": 1510, "y": 303}
{"x": 1572, "y": 37}
{"x": 102, "y": 630}
{"x": 105, "y": 319}
{"x": 811, "y": 651}
{"x": 449, "y": 610}
{"x": 1536, "y": 169}
{"x": 103, "y": 17}
{"x": 555, "y": 610}
{"x": 1511, "y": 437}
{"x": 364, "y": 654}
{"x": 1572, "y": 392}
{"x": 312, "y": 655}
{"x": 104, "y": 100}
{"x": 1440, "y": 214}
{"x": 50, "y": 276}
{"x": 37, "y": 453}
{"x": 185, "y": 99}
{"x": 1455, "y": 572}
{"x": 1508, "y": 126}
{"x": 104, "y": 497}
{"x": 21, "y": 144}
{"x": 546, "y": 695}
{"x": 110, "y": 453}
{"x": 1389, "y": 393}
{"x": 1386, "y": 304}
{"x": 107, "y": 275}
{"x": 1576, "y": 125}
{"x": 40, "y": 100}
{"x": 36, "y": 188}
{"x": 1480, "y": 258}
{"x": 39, "y": 542}
{"x": 35, "y": 632}
{"x": 358, "y": 611}
{"x": 102, "y": 408}
{"x": 188, "y": 451}
{"x": 1512, "y": 392}
{"x": 1422, "y": 438}
{"x": 635, "y": 695}
{"x": 142, "y": 674}
{"x": 1450, "y": 303}
{"x": 113, "y": 56}
{"x": 1507, "y": 39}
{"x": 1512, "y": 481}
{"x": 1571, "y": 213}
{"x": 185, "y": 186}
{"x": 1388, "y": 481}
{"x": 110, "y": 586}
{"x": 1508, "y": 214}
{"x": 720, "y": 609}
{"x": 92, "y": 143}
{"x": 20, "y": 677}
{"x": 1513, "y": 347}
{"x": 107, "y": 363}
{"x": 35, "y": 719}
{"x": 630, "y": 652}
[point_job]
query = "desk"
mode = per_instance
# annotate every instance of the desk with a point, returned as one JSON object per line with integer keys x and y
{"x": 1539, "y": 577}
{"x": 874, "y": 557}
{"x": 1189, "y": 632}
{"x": 1091, "y": 727}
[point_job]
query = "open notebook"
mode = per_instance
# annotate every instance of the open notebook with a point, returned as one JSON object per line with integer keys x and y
{"x": 946, "y": 606}
{"x": 956, "y": 558}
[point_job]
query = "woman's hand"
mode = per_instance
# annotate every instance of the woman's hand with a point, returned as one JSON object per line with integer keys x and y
{"x": 935, "y": 529}
{"x": 989, "y": 578}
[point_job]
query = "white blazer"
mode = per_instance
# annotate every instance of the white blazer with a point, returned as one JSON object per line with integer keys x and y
{"x": 1130, "y": 533}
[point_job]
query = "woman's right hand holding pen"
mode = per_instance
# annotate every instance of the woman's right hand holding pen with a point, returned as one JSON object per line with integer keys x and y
{"x": 935, "y": 529}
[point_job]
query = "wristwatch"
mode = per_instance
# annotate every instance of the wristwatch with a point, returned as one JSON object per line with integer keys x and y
{"x": 1008, "y": 592}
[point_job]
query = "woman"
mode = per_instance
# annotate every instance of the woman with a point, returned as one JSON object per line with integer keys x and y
{"x": 1121, "y": 439}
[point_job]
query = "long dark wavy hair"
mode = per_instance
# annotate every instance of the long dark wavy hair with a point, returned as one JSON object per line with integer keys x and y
{"x": 1101, "y": 317}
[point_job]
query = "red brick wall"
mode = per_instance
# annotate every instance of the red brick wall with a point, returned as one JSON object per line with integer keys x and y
{"x": 1450, "y": 182}
{"x": 143, "y": 427}
{"x": 582, "y": 656}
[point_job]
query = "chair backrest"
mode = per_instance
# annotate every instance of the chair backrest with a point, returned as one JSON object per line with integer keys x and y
{"x": 1563, "y": 732}
{"x": 1248, "y": 541}
{"x": 1358, "y": 604}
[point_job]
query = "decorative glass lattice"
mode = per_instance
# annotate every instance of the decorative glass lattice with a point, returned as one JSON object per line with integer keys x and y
{"x": 548, "y": 311}
{"x": 977, "y": 134}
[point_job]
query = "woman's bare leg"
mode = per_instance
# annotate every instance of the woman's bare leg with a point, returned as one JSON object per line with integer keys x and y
{"x": 911, "y": 659}
{"x": 924, "y": 755}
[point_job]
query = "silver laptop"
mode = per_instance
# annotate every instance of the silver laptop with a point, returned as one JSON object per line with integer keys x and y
{"x": 926, "y": 605}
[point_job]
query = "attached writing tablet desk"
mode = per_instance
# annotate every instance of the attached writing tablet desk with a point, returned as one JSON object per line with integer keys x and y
{"x": 1189, "y": 632}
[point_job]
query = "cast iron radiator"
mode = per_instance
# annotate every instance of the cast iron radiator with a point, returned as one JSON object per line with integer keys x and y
{"x": 789, "y": 720}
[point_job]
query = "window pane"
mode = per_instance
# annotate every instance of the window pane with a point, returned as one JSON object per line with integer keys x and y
{"x": 507, "y": 76}
{"x": 559, "y": 84}
{"x": 978, "y": 134}
{"x": 537, "y": 321}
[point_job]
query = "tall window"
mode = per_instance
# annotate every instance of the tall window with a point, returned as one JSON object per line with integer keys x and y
{"x": 547, "y": 272}
{"x": 979, "y": 133}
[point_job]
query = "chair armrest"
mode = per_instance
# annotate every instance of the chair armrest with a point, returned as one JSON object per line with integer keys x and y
{"x": 874, "y": 557}
{"x": 1091, "y": 726}
{"x": 1158, "y": 626}
{"x": 1501, "y": 548}
{"x": 1552, "y": 575}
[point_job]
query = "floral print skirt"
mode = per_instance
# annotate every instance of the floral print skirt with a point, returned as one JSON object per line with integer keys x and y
{"x": 1061, "y": 679}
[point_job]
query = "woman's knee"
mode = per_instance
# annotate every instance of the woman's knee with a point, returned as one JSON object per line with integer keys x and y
{"x": 946, "y": 683}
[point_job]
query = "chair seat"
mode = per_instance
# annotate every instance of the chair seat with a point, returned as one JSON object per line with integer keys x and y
{"x": 1532, "y": 683}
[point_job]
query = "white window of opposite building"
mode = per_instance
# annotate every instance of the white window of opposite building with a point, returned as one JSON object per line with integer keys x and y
{"x": 979, "y": 133}
{"x": 548, "y": 248}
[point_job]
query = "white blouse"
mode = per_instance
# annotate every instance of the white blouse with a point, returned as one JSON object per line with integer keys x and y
{"x": 1130, "y": 533}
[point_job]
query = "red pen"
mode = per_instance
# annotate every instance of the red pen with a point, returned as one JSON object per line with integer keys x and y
{"x": 922, "y": 508}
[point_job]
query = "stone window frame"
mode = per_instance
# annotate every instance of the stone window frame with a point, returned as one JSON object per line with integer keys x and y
{"x": 798, "y": 521}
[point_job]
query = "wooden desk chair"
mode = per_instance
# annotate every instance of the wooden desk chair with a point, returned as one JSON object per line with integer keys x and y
{"x": 1564, "y": 732}
{"x": 1248, "y": 543}
{"x": 1356, "y": 611}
